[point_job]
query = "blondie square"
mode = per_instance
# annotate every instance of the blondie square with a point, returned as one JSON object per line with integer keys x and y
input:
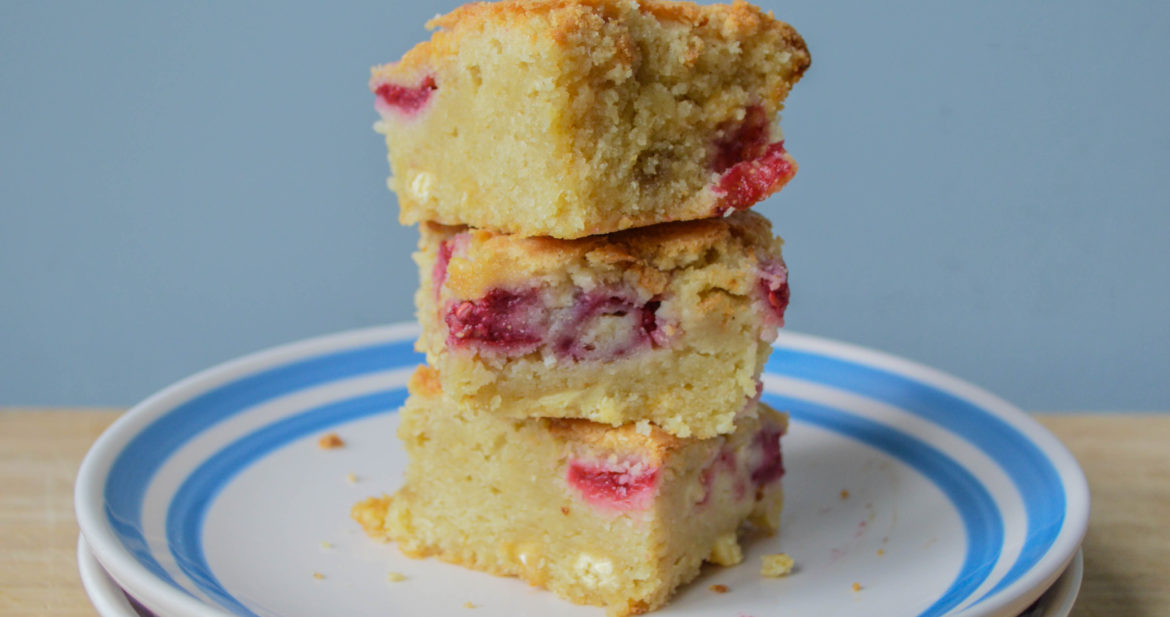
{"x": 616, "y": 517}
{"x": 570, "y": 118}
{"x": 670, "y": 324}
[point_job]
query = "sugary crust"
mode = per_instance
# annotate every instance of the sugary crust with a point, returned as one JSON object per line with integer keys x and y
{"x": 647, "y": 254}
{"x": 734, "y": 21}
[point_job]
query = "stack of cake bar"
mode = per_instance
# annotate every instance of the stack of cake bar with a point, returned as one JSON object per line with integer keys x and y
{"x": 596, "y": 301}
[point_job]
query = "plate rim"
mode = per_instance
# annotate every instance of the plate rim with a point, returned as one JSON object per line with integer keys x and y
{"x": 155, "y": 593}
{"x": 103, "y": 590}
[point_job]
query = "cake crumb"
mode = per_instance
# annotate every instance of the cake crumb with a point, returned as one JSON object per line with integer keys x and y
{"x": 351, "y": 477}
{"x": 844, "y": 494}
{"x": 330, "y": 441}
{"x": 856, "y": 586}
{"x": 395, "y": 577}
{"x": 325, "y": 545}
{"x": 726, "y": 551}
{"x": 468, "y": 604}
{"x": 719, "y": 588}
{"x": 777, "y": 565}
{"x": 565, "y": 510}
{"x": 318, "y": 576}
{"x": 881, "y": 552}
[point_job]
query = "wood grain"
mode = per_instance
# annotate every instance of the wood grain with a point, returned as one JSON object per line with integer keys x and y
{"x": 1126, "y": 458}
{"x": 40, "y": 452}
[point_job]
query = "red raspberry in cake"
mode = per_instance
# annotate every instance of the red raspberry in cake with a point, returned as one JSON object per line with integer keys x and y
{"x": 774, "y": 289}
{"x": 750, "y": 164}
{"x": 767, "y": 463}
{"x": 408, "y": 100}
{"x": 752, "y": 180}
{"x": 742, "y": 141}
{"x": 620, "y": 486}
{"x": 506, "y": 321}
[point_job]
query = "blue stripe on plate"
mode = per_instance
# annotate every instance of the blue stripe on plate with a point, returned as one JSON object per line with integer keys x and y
{"x": 190, "y": 504}
{"x": 981, "y": 518}
{"x": 1030, "y": 470}
{"x": 131, "y": 472}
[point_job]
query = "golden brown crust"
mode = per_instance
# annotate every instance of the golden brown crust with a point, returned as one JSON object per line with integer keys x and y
{"x": 738, "y": 20}
{"x": 648, "y": 253}
{"x": 653, "y": 445}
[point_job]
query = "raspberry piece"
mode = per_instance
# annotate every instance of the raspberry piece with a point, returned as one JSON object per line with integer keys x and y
{"x": 650, "y": 322}
{"x": 576, "y": 336}
{"x": 621, "y": 486}
{"x": 749, "y": 181}
{"x": 501, "y": 320}
{"x": 439, "y": 272}
{"x": 752, "y": 167}
{"x": 771, "y": 464}
{"x": 778, "y": 300}
{"x": 746, "y": 141}
{"x": 774, "y": 289}
{"x": 405, "y": 99}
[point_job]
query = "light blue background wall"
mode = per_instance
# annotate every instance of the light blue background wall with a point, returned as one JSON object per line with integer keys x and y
{"x": 984, "y": 187}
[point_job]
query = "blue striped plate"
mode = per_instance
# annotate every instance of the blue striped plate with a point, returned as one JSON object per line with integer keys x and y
{"x": 908, "y": 492}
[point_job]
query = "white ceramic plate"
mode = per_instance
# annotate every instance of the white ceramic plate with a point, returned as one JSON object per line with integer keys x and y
{"x": 112, "y": 601}
{"x": 212, "y": 498}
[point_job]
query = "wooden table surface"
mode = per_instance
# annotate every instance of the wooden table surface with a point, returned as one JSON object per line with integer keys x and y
{"x": 1125, "y": 456}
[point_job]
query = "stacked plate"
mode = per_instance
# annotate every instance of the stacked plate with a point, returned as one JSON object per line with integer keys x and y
{"x": 908, "y": 492}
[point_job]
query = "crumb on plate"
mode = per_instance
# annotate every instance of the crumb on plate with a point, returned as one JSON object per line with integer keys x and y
{"x": 326, "y": 545}
{"x": 395, "y": 577}
{"x": 318, "y": 576}
{"x": 330, "y": 441}
{"x": 856, "y": 586}
{"x": 719, "y": 588}
{"x": 351, "y": 477}
{"x": 844, "y": 493}
{"x": 777, "y": 565}
{"x": 468, "y": 604}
